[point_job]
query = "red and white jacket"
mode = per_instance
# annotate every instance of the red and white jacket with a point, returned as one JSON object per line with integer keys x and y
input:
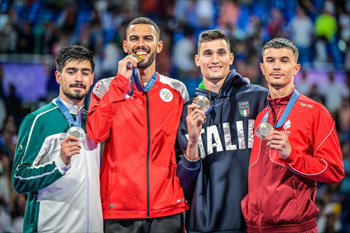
{"x": 281, "y": 192}
{"x": 138, "y": 173}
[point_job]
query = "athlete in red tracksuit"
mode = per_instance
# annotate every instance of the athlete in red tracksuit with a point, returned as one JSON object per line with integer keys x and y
{"x": 139, "y": 185}
{"x": 284, "y": 168}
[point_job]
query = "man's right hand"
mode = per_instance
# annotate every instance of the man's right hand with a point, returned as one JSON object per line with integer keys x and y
{"x": 69, "y": 146}
{"x": 195, "y": 119}
{"x": 126, "y": 65}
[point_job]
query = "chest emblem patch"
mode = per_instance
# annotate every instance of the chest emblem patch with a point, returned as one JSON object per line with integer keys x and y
{"x": 244, "y": 109}
{"x": 287, "y": 125}
{"x": 166, "y": 95}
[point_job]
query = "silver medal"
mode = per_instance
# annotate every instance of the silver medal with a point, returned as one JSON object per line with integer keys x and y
{"x": 77, "y": 132}
{"x": 263, "y": 130}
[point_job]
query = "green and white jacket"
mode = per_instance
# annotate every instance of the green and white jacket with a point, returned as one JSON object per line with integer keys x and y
{"x": 60, "y": 198}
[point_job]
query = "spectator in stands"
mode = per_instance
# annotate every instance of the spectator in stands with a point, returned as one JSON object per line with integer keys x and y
{"x": 303, "y": 85}
{"x": 302, "y": 38}
{"x": 334, "y": 92}
{"x": 184, "y": 51}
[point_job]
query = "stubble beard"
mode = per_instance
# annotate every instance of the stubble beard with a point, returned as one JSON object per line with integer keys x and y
{"x": 75, "y": 94}
{"x": 148, "y": 63}
{"x": 145, "y": 63}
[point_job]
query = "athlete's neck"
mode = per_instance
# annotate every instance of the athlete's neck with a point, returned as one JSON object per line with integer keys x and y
{"x": 146, "y": 74}
{"x": 78, "y": 103}
{"x": 214, "y": 85}
{"x": 276, "y": 92}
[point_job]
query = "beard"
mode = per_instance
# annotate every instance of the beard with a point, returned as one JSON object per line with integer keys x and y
{"x": 76, "y": 94}
{"x": 145, "y": 63}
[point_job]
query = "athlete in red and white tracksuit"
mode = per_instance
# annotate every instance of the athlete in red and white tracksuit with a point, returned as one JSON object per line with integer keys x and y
{"x": 138, "y": 173}
{"x": 281, "y": 192}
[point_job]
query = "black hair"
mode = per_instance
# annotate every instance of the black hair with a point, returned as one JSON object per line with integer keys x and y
{"x": 279, "y": 43}
{"x": 210, "y": 35}
{"x": 74, "y": 52}
{"x": 144, "y": 20}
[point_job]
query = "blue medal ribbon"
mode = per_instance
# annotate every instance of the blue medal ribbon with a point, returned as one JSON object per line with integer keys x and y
{"x": 67, "y": 114}
{"x": 215, "y": 105}
{"x": 224, "y": 101}
{"x": 136, "y": 79}
{"x": 286, "y": 112}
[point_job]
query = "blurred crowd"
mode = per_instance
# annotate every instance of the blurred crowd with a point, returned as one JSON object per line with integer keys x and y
{"x": 319, "y": 28}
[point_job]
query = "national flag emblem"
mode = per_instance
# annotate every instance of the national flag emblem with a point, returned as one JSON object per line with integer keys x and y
{"x": 244, "y": 108}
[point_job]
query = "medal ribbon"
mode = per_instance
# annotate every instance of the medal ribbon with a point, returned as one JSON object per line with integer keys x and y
{"x": 67, "y": 114}
{"x": 136, "y": 79}
{"x": 224, "y": 101}
{"x": 286, "y": 112}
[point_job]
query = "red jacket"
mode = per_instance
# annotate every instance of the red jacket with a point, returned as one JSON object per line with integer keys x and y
{"x": 281, "y": 193}
{"x": 138, "y": 172}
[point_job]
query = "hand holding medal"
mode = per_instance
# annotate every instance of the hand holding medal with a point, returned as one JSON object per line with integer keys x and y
{"x": 75, "y": 135}
{"x": 128, "y": 65}
{"x": 135, "y": 79}
{"x": 70, "y": 146}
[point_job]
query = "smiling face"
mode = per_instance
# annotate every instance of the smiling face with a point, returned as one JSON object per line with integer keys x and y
{"x": 214, "y": 60}
{"x": 279, "y": 68}
{"x": 75, "y": 80}
{"x": 142, "y": 39}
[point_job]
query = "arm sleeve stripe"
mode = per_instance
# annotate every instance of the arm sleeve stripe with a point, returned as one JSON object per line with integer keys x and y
{"x": 325, "y": 138}
{"x": 30, "y": 135}
{"x": 35, "y": 177}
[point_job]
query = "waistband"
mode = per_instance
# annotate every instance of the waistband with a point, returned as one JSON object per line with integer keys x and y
{"x": 299, "y": 227}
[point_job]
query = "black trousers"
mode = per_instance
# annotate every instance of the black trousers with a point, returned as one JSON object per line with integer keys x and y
{"x": 169, "y": 224}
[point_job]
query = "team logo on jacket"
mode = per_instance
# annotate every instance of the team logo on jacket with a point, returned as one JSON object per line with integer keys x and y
{"x": 244, "y": 108}
{"x": 287, "y": 125}
{"x": 166, "y": 95}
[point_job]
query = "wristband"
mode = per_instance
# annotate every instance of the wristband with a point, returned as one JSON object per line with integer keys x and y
{"x": 191, "y": 160}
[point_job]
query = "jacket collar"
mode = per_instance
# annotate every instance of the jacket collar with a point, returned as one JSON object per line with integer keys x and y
{"x": 73, "y": 109}
{"x": 281, "y": 100}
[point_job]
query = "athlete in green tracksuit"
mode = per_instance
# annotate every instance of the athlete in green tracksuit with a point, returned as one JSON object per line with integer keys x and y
{"x": 59, "y": 172}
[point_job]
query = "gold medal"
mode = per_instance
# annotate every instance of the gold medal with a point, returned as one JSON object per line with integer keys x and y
{"x": 263, "y": 130}
{"x": 138, "y": 57}
{"x": 203, "y": 102}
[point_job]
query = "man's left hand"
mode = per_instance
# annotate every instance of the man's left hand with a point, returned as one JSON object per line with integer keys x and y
{"x": 279, "y": 141}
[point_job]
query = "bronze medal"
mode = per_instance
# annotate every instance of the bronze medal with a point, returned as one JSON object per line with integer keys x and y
{"x": 203, "y": 102}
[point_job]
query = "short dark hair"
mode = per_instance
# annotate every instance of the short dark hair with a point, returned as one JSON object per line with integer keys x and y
{"x": 210, "y": 35}
{"x": 74, "y": 52}
{"x": 279, "y": 43}
{"x": 144, "y": 20}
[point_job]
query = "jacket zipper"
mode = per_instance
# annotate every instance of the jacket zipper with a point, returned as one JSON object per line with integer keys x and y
{"x": 259, "y": 193}
{"x": 88, "y": 193}
{"x": 148, "y": 149}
